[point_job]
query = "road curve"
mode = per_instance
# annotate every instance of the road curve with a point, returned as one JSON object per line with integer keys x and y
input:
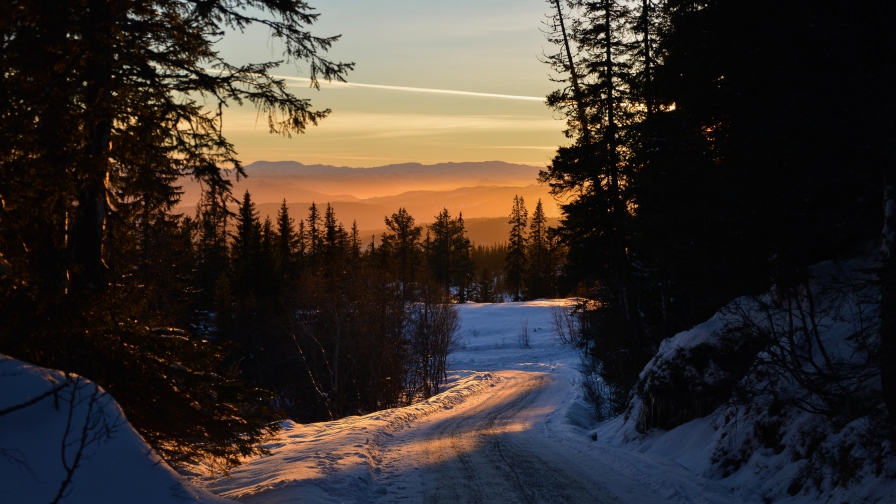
{"x": 488, "y": 453}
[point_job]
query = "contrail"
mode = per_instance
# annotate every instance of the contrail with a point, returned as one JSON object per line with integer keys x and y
{"x": 416, "y": 89}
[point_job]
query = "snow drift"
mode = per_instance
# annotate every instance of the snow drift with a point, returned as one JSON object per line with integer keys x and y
{"x": 777, "y": 396}
{"x": 64, "y": 439}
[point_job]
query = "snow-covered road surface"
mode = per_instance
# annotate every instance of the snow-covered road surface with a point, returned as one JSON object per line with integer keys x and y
{"x": 511, "y": 428}
{"x": 481, "y": 452}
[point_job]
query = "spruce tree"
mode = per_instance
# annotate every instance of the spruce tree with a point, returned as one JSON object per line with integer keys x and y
{"x": 301, "y": 247}
{"x": 212, "y": 217}
{"x": 403, "y": 246}
{"x": 537, "y": 279}
{"x": 448, "y": 254}
{"x": 101, "y": 112}
{"x": 556, "y": 259}
{"x": 315, "y": 234}
{"x": 438, "y": 250}
{"x": 335, "y": 240}
{"x": 287, "y": 243}
{"x": 246, "y": 246}
{"x": 595, "y": 175}
{"x": 355, "y": 242}
{"x": 461, "y": 249}
{"x": 485, "y": 292}
{"x": 268, "y": 283}
{"x": 516, "y": 261}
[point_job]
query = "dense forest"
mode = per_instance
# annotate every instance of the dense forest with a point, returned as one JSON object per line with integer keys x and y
{"x": 717, "y": 148}
{"x": 720, "y": 148}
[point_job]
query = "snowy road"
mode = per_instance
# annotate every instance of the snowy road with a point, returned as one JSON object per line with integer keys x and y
{"x": 481, "y": 455}
{"x": 511, "y": 428}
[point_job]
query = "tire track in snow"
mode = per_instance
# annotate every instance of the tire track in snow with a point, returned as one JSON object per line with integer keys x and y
{"x": 477, "y": 457}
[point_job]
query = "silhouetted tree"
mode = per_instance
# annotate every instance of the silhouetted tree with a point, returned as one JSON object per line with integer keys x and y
{"x": 402, "y": 245}
{"x": 448, "y": 254}
{"x": 104, "y": 106}
{"x": 538, "y": 278}
{"x": 516, "y": 260}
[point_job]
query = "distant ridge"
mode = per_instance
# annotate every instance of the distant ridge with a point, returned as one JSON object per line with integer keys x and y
{"x": 390, "y": 179}
{"x": 274, "y": 181}
{"x": 295, "y": 168}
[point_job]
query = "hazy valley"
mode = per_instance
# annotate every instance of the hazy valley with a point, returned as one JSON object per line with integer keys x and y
{"x": 482, "y": 191}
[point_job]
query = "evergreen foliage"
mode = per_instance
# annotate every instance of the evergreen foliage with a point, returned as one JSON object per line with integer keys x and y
{"x": 402, "y": 246}
{"x": 539, "y": 276}
{"x": 516, "y": 261}
{"x": 448, "y": 254}
{"x": 104, "y": 106}
{"x": 716, "y": 152}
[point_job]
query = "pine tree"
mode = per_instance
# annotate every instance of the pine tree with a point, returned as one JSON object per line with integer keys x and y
{"x": 355, "y": 242}
{"x": 100, "y": 114}
{"x": 461, "y": 249}
{"x": 597, "y": 173}
{"x": 246, "y": 247}
{"x": 448, "y": 254}
{"x": 212, "y": 217}
{"x": 315, "y": 234}
{"x": 403, "y": 247}
{"x": 537, "y": 279}
{"x": 288, "y": 243}
{"x": 516, "y": 261}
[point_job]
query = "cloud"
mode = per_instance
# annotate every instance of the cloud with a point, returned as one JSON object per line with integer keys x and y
{"x": 384, "y": 125}
{"x": 335, "y": 84}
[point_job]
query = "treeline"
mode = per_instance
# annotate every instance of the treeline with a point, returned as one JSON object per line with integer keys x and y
{"x": 718, "y": 147}
{"x": 330, "y": 327}
{"x": 535, "y": 255}
{"x": 324, "y": 324}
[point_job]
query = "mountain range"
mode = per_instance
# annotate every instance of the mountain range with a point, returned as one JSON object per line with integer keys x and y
{"x": 479, "y": 190}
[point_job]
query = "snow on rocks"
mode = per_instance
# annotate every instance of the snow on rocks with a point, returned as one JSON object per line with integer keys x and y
{"x": 61, "y": 436}
{"x": 762, "y": 446}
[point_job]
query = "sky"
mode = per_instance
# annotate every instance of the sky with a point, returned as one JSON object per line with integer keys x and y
{"x": 480, "y": 47}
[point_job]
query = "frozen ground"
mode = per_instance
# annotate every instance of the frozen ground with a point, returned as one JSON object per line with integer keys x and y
{"x": 511, "y": 428}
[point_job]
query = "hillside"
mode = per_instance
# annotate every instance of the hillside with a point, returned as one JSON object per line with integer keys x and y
{"x": 778, "y": 402}
{"x": 294, "y": 181}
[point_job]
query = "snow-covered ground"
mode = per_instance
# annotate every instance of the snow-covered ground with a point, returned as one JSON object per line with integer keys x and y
{"x": 511, "y": 428}
{"x": 764, "y": 451}
{"x": 78, "y": 431}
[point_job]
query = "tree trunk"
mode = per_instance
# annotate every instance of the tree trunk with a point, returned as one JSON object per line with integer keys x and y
{"x": 87, "y": 232}
{"x": 888, "y": 309}
{"x": 574, "y": 78}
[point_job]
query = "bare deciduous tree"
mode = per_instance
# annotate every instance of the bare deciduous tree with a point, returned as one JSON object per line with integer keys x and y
{"x": 566, "y": 325}
{"x": 524, "y": 337}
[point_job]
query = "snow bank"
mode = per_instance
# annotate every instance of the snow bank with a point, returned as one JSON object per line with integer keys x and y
{"x": 332, "y": 462}
{"x": 382, "y": 457}
{"x": 64, "y": 436}
{"x": 757, "y": 439}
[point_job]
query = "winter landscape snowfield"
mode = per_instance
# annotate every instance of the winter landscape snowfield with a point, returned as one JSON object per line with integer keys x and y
{"x": 511, "y": 426}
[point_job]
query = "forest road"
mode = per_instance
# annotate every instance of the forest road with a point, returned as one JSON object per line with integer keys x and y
{"x": 491, "y": 452}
